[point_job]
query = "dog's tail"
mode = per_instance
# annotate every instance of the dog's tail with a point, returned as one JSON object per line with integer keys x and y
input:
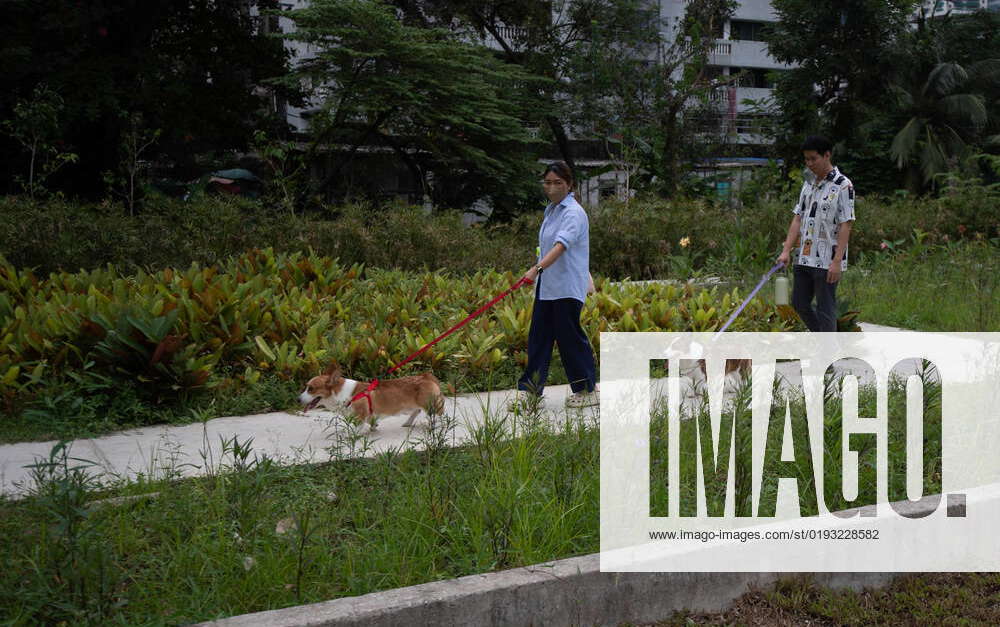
{"x": 438, "y": 400}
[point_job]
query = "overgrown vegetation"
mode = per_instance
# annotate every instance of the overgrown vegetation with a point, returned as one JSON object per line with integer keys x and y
{"x": 253, "y": 535}
{"x": 930, "y": 287}
{"x": 735, "y": 431}
{"x": 639, "y": 239}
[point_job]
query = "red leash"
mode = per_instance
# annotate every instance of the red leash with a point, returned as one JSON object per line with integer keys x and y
{"x": 374, "y": 384}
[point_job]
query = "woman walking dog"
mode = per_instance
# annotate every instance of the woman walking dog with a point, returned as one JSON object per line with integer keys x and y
{"x": 562, "y": 278}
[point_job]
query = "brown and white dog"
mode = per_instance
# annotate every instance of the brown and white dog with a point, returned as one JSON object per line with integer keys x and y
{"x": 415, "y": 393}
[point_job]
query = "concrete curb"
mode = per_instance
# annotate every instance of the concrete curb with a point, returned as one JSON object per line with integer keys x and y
{"x": 565, "y": 592}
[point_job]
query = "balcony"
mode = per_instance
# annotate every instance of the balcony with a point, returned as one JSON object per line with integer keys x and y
{"x": 724, "y": 97}
{"x": 741, "y": 53}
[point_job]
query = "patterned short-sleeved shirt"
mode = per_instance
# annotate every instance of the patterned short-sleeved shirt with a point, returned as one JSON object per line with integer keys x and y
{"x": 823, "y": 205}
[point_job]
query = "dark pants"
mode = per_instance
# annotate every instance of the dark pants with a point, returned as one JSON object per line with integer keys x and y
{"x": 558, "y": 321}
{"x": 810, "y": 283}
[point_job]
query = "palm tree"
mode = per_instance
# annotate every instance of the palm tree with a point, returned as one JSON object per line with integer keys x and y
{"x": 947, "y": 115}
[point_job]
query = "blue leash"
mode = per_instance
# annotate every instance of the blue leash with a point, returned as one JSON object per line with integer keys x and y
{"x": 740, "y": 309}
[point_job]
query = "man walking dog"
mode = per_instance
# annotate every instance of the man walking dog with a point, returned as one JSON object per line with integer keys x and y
{"x": 822, "y": 225}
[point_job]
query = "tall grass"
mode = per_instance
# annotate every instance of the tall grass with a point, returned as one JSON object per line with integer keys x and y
{"x": 253, "y": 535}
{"x": 954, "y": 287}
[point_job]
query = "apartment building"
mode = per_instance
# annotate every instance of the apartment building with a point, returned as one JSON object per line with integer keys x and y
{"x": 739, "y": 49}
{"x": 936, "y": 8}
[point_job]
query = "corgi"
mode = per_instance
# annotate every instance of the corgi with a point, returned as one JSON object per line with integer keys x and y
{"x": 332, "y": 390}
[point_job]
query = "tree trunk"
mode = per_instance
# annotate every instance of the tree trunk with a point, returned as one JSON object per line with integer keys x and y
{"x": 561, "y": 140}
{"x": 374, "y": 126}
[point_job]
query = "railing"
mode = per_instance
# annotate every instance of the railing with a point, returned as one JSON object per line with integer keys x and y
{"x": 512, "y": 34}
{"x": 740, "y": 124}
{"x": 720, "y": 48}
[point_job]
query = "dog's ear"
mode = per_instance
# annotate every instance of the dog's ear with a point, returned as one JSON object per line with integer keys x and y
{"x": 333, "y": 370}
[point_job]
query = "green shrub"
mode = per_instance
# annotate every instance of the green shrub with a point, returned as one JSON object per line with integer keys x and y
{"x": 640, "y": 239}
{"x": 172, "y": 334}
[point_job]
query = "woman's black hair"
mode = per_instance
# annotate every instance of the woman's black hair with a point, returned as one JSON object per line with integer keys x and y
{"x": 560, "y": 169}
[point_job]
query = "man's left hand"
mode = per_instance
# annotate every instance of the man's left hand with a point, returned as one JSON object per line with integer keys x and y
{"x": 833, "y": 274}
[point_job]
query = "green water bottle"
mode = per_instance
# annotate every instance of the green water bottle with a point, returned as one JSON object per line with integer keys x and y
{"x": 781, "y": 290}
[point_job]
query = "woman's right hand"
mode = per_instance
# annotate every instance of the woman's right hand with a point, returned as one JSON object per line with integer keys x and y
{"x": 531, "y": 275}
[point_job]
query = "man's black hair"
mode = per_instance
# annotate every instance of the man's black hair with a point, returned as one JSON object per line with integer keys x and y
{"x": 818, "y": 143}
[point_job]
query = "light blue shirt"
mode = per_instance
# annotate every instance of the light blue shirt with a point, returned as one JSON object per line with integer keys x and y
{"x": 569, "y": 277}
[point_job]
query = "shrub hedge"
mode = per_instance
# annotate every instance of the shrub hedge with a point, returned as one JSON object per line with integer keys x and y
{"x": 640, "y": 239}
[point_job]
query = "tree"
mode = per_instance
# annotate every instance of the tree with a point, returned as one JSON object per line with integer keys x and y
{"x": 842, "y": 53}
{"x": 552, "y": 40}
{"x": 449, "y": 110}
{"x": 945, "y": 119}
{"x": 37, "y": 126}
{"x": 128, "y": 179}
{"x": 189, "y": 68}
{"x": 663, "y": 113}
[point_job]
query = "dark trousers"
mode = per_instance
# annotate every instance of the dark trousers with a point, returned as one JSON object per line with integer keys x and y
{"x": 811, "y": 283}
{"x": 558, "y": 321}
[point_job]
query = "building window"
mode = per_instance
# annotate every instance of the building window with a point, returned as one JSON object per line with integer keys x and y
{"x": 747, "y": 31}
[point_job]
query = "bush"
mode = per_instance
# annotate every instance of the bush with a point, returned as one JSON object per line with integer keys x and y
{"x": 55, "y": 235}
{"x": 640, "y": 239}
{"x": 174, "y": 333}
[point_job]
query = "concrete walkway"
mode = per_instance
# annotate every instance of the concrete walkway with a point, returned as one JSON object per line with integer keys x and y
{"x": 290, "y": 438}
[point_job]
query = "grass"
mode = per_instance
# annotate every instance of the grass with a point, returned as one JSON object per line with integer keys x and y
{"x": 83, "y": 409}
{"x": 918, "y": 599}
{"x": 252, "y": 535}
{"x": 86, "y": 410}
{"x": 925, "y": 288}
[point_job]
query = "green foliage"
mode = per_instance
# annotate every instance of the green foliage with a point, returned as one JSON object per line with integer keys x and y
{"x": 37, "y": 126}
{"x": 129, "y": 179}
{"x": 173, "y": 333}
{"x": 189, "y": 68}
{"x": 695, "y": 434}
{"x": 928, "y": 284}
{"x": 69, "y": 572}
{"x": 627, "y": 240}
{"x": 449, "y": 110}
{"x": 253, "y": 535}
{"x": 947, "y": 115}
{"x": 902, "y": 104}
{"x": 286, "y": 169}
{"x": 843, "y": 49}
{"x": 660, "y": 121}
{"x": 584, "y": 45}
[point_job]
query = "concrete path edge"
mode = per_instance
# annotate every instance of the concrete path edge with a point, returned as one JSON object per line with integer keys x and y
{"x": 567, "y": 592}
{"x": 572, "y": 591}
